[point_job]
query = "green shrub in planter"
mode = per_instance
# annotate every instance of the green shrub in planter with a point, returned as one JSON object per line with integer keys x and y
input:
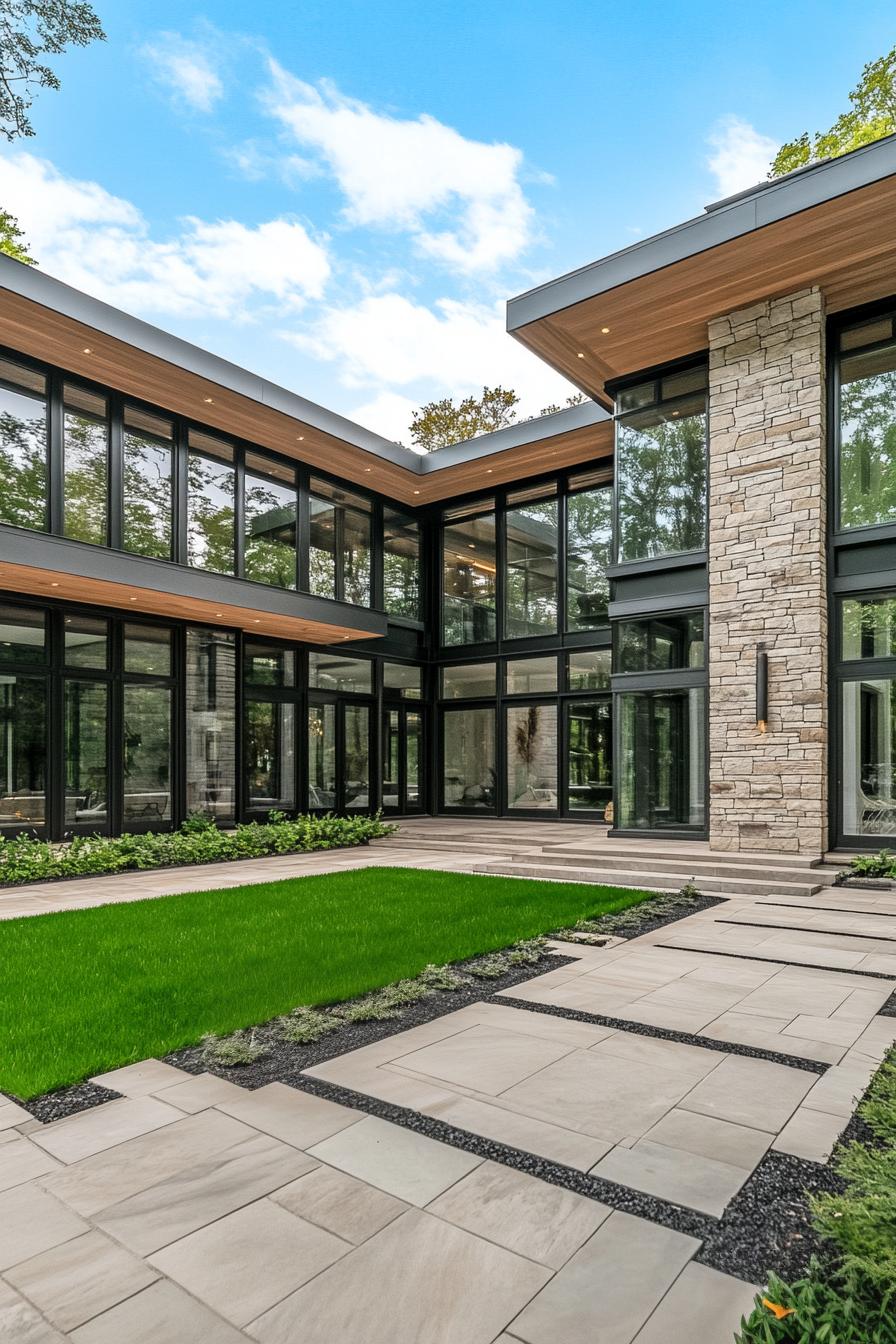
{"x": 25, "y": 859}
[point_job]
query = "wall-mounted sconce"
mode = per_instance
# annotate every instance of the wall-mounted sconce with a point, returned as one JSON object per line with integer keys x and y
{"x": 761, "y": 688}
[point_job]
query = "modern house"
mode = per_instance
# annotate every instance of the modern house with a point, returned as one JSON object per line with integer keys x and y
{"x": 671, "y": 608}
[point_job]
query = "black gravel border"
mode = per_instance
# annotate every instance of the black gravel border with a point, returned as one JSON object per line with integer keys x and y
{"x": 776, "y": 961}
{"x": 831, "y": 909}
{"x": 67, "y": 1101}
{"x": 622, "y": 1197}
{"x": 670, "y": 1034}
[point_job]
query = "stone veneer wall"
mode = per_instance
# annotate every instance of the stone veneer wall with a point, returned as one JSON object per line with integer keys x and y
{"x": 767, "y": 565}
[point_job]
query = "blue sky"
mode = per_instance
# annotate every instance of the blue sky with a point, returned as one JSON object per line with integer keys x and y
{"x": 342, "y": 195}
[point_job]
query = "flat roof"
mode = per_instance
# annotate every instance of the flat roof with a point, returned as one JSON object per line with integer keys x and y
{"x": 724, "y": 220}
{"x": 44, "y": 317}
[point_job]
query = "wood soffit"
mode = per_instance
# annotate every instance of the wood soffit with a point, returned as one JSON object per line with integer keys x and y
{"x": 125, "y": 597}
{"x": 39, "y": 331}
{"x": 847, "y": 246}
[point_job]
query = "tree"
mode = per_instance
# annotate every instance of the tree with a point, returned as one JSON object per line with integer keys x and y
{"x": 12, "y": 239}
{"x": 871, "y": 116}
{"x": 439, "y": 423}
{"x": 30, "y": 29}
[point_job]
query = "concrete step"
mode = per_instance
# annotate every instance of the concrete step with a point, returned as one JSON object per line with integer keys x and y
{"x": 651, "y": 878}
{"x": 703, "y": 866}
{"x": 656, "y": 852}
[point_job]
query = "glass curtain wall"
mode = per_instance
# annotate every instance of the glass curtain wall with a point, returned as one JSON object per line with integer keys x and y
{"x": 402, "y": 587}
{"x": 589, "y": 532}
{"x": 211, "y": 503}
{"x": 661, "y": 434}
{"x": 531, "y": 563}
{"x": 23, "y": 719}
{"x": 85, "y": 457}
{"x": 269, "y": 727}
{"x": 532, "y": 751}
{"x": 469, "y": 770}
{"x": 270, "y": 507}
{"x": 866, "y": 428}
{"x": 210, "y": 697}
{"x": 339, "y": 544}
{"x": 147, "y": 726}
{"x": 662, "y": 750}
{"x": 469, "y": 572}
{"x": 23, "y": 446}
{"x": 590, "y": 754}
{"x": 86, "y": 708}
{"x": 148, "y": 484}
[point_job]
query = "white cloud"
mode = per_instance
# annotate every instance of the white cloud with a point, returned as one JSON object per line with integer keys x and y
{"x": 459, "y": 199}
{"x": 102, "y": 244}
{"x": 389, "y": 414}
{"x": 185, "y": 70}
{"x": 740, "y": 155}
{"x": 389, "y": 342}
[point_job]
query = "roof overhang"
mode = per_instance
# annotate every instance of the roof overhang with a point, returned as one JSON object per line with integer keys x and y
{"x": 45, "y": 566}
{"x": 42, "y": 317}
{"x": 829, "y": 225}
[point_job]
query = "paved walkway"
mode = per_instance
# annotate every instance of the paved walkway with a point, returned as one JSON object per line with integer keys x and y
{"x": 194, "y": 1210}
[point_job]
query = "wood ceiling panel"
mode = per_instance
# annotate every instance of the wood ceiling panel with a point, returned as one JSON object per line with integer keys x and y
{"x": 847, "y": 246}
{"x": 122, "y": 597}
{"x": 57, "y": 339}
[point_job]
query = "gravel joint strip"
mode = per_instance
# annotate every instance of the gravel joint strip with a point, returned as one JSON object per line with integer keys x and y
{"x": 670, "y": 1034}
{"x": 777, "y": 961}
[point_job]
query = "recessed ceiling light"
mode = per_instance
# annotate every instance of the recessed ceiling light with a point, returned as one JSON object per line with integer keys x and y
{"x": 416, "y": 492}
{"x": 368, "y": 469}
{"x": 208, "y": 401}
{"x": 132, "y": 599}
{"x": 219, "y": 613}
{"x": 300, "y": 437}
{"x": 581, "y": 354}
{"x": 54, "y": 585}
{"x": 256, "y": 622}
{"x": 605, "y": 330}
{"x": 488, "y": 471}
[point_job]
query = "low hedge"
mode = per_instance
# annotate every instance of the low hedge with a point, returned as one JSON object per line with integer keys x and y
{"x": 26, "y": 859}
{"x": 852, "y": 1299}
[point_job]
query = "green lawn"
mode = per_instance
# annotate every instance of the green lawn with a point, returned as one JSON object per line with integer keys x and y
{"x": 86, "y": 990}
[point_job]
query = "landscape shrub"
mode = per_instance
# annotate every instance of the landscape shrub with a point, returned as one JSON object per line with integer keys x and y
{"x": 853, "y": 1299}
{"x": 881, "y": 864}
{"x": 26, "y": 859}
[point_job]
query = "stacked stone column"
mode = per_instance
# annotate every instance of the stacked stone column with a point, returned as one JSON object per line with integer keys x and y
{"x": 767, "y": 576}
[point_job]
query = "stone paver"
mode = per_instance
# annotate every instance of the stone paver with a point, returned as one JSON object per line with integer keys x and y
{"x": 196, "y": 1210}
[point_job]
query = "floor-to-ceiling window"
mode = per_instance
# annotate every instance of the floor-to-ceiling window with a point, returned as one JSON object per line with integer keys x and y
{"x": 87, "y": 698}
{"x": 531, "y": 580}
{"x": 866, "y": 428}
{"x": 147, "y": 695}
{"x": 210, "y": 707}
{"x": 589, "y": 531}
{"x": 402, "y": 580}
{"x": 866, "y": 673}
{"x": 23, "y": 718}
{"x": 339, "y": 544}
{"x": 23, "y": 446}
{"x": 85, "y": 460}
{"x": 469, "y": 574}
{"x": 661, "y": 430}
{"x": 148, "y": 483}
{"x": 270, "y": 509}
{"x": 340, "y": 725}
{"x": 211, "y": 503}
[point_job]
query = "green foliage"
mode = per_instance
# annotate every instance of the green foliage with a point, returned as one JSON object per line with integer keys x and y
{"x": 871, "y": 116}
{"x": 439, "y": 423}
{"x": 232, "y": 1051}
{"x": 855, "y": 1303}
{"x": 30, "y": 29}
{"x": 12, "y": 239}
{"x": 527, "y": 953}
{"x": 881, "y": 864}
{"x": 489, "y": 968}
{"x": 24, "y": 859}
{"x": 305, "y": 1025}
{"x": 826, "y": 1309}
{"x": 442, "y": 977}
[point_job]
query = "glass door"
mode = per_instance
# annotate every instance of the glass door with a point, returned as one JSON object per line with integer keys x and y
{"x": 339, "y": 756}
{"x": 402, "y": 761}
{"x": 589, "y": 755}
{"x": 662, "y": 741}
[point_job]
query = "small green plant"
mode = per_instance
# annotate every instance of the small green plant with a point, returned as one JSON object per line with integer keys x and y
{"x": 489, "y": 968}
{"x": 821, "y": 1308}
{"x": 370, "y": 1008}
{"x": 690, "y": 892}
{"x": 527, "y": 953}
{"x": 196, "y": 823}
{"x": 233, "y": 1051}
{"x": 881, "y": 864}
{"x": 304, "y": 1025}
{"x": 442, "y": 977}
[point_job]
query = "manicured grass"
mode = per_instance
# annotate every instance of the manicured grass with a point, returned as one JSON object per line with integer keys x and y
{"x": 84, "y": 991}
